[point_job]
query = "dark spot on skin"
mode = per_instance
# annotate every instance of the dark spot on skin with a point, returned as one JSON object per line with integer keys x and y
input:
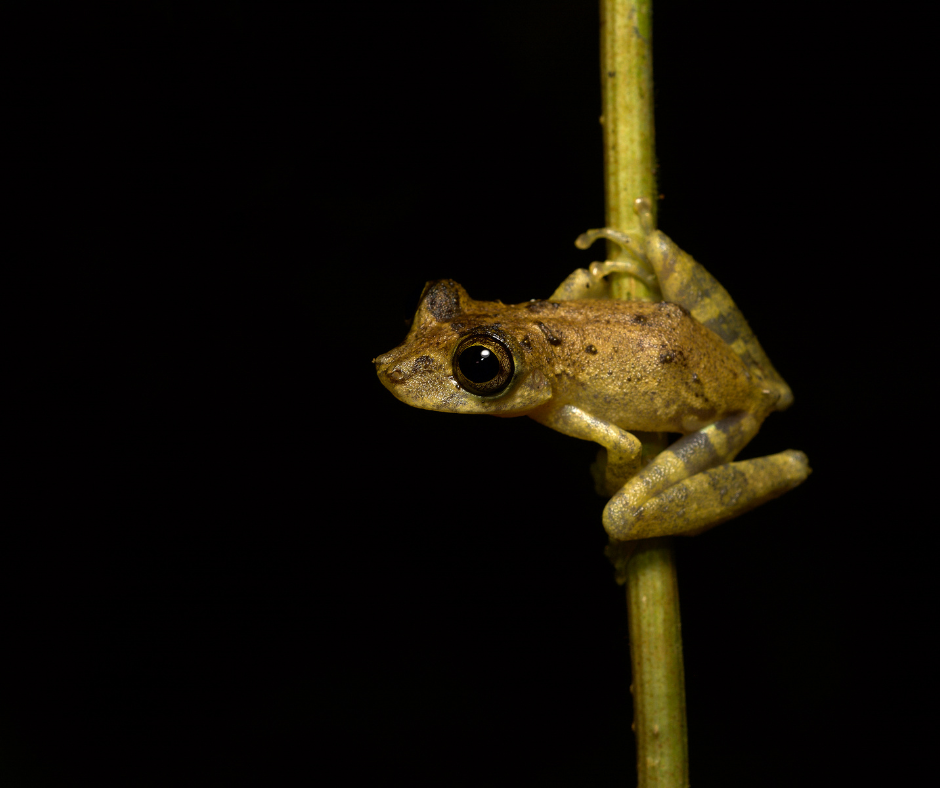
{"x": 694, "y": 387}
{"x": 526, "y": 344}
{"x": 442, "y": 299}
{"x": 421, "y": 363}
{"x": 729, "y": 482}
{"x": 695, "y": 447}
{"x": 457, "y": 325}
{"x": 591, "y": 349}
{"x": 670, "y": 355}
{"x": 552, "y": 339}
{"x": 640, "y": 319}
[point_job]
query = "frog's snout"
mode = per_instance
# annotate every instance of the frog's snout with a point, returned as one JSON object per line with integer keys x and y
{"x": 389, "y": 367}
{"x": 388, "y": 371}
{"x": 396, "y": 367}
{"x": 384, "y": 359}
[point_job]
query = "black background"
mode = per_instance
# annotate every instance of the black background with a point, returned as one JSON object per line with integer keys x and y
{"x": 242, "y": 561}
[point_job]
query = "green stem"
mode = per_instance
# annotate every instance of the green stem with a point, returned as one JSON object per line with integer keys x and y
{"x": 652, "y": 588}
{"x": 662, "y": 752}
{"x": 627, "y": 118}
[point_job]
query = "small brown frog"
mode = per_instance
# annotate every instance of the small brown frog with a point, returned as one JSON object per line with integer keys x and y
{"x": 599, "y": 369}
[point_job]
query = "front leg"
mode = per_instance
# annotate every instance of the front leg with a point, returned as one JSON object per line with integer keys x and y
{"x": 624, "y": 450}
{"x": 693, "y": 485}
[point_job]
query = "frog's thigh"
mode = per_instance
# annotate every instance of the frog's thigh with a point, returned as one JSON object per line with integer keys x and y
{"x": 708, "y": 498}
{"x": 623, "y": 448}
{"x": 715, "y": 445}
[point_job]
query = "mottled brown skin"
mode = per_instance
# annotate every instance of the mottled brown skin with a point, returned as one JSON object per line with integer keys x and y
{"x": 639, "y": 365}
{"x": 598, "y": 369}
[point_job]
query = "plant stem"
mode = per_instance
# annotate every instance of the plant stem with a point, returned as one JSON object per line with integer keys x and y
{"x": 662, "y": 758}
{"x": 627, "y": 118}
{"x": 652, "y": 588}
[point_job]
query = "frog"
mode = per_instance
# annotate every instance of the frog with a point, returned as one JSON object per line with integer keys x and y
{"x": 616, "y": 372}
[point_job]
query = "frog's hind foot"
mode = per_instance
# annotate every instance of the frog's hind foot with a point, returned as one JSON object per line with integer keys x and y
{"x": 644, "y": 210}
{"x": 623, "y": 240}
{"x": 706, "y": 499}
{"x": 694, "y": 485}
{"x": 638, "y": 265}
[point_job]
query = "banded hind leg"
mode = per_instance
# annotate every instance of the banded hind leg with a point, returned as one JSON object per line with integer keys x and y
{"x": 686, "y": 282}
{"x": 694, "y": 485}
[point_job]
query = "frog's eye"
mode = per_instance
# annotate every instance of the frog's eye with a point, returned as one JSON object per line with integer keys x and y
{"x": 483, "y": 365}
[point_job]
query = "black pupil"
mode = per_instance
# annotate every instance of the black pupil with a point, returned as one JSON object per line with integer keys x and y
{"x": 479, "y": 364}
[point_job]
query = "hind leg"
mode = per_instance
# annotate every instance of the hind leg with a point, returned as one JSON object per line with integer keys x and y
{"x": 694, "y": 484}
{"x": 686, "y": 282}
{"x": 707, "y": 498}
{"x": 700, "y": 502}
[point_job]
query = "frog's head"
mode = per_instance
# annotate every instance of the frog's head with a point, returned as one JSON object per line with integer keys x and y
{"x": 461, "y": 358}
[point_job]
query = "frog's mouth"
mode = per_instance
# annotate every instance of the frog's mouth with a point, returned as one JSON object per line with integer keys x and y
{"x": 385, "y": 359}
{"x": 435, "y": 380}
{"x": 422, "y": 383}
{"x": 412, "y": 380}
{"x": 399, "y": 364}
{"x": 391, "y": 372}
{"x": 389, "y": 369}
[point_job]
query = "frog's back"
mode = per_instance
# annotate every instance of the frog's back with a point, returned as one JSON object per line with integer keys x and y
{"x": 641, "y": 365}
